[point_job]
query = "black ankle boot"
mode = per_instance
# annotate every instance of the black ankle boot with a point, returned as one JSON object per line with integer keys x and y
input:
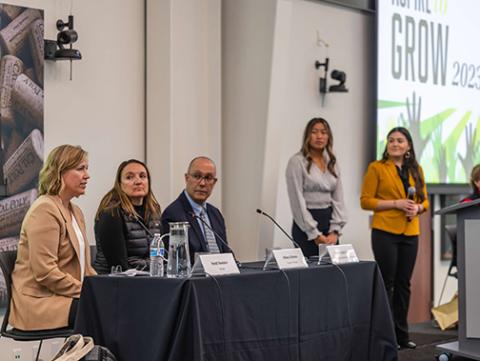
{"x": 407, "y": 344}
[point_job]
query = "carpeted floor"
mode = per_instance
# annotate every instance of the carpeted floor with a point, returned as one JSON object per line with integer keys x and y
{"x": 426, "y": 336}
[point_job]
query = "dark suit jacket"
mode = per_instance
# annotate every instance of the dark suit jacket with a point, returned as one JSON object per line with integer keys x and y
{"x": 180, "y": 211}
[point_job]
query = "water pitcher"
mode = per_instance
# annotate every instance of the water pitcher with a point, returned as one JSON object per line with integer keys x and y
{"x": 178, "y": 254}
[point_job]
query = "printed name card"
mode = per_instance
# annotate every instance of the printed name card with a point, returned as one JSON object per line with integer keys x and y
{"x": 216, "y": 264}
{"x": 289, "y": 258}
{"x": 344, "y": 253}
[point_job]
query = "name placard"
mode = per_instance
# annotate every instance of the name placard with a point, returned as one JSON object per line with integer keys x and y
{"x": 216, "y": 264}
{"x": 344, "y": 253}
{"x": 289, "y": 258}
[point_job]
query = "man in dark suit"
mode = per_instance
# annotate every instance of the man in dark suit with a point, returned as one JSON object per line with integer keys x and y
{"x": 191, "y": 206}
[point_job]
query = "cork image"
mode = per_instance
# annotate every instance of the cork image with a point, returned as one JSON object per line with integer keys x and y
{"x": 21, "y": 119}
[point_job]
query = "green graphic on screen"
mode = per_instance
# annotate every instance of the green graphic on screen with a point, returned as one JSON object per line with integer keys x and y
{"x": 429, "y": 82}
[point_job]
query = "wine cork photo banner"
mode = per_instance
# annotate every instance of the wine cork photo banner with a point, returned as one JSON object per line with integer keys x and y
{"x": 21, "y": 118}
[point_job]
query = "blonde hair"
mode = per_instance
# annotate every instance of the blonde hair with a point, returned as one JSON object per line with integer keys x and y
{"x": 60, "y": 159}
{"x": 116, "y": 197}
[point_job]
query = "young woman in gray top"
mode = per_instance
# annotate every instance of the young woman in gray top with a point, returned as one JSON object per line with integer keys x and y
{"x": 315, "y": 190}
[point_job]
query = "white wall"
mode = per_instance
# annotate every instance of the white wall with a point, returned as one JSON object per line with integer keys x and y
{"x": 270, "y": 93}
{"x": 247, "y": 44}
{"x": 184, "y": 91}
{"x": 102, "y": 109}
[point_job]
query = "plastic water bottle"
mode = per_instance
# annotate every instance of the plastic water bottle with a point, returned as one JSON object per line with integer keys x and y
{"x": 157, "y": 254}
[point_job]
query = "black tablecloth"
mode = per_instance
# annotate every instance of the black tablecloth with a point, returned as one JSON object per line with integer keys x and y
{"x": 320, "y": 313}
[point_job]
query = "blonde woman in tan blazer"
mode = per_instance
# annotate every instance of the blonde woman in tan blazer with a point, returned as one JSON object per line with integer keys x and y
{"x": 53, "y": 252}
{"x": 395, "y": 226}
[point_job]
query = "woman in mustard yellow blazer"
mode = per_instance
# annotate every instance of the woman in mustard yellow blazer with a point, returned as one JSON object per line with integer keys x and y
{"x": 53, "y": 252}
{"x": 394, "y": 189}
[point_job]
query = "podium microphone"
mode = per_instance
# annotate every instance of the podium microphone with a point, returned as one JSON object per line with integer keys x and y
{"x": 410, "y": 195}
{"x": 259, "y": 211}
{"x": 216, "y": 235}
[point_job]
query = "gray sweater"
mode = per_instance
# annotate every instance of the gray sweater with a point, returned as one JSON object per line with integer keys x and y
{"x": 315, "y": 190}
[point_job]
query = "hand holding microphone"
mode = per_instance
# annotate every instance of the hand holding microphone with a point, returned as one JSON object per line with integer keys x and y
{"x": 408, "y": 205}
{"x": 411, "y": 207}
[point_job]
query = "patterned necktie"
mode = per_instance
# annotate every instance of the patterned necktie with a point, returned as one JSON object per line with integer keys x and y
{"x": 209, "y": 235}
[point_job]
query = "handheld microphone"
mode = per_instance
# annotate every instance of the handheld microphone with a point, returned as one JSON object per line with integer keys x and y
{"x": 411, "y": 192}
{"x": 410, "y": 195}
{"x": 216, "y": 235}
{"x": 259, "y": 211}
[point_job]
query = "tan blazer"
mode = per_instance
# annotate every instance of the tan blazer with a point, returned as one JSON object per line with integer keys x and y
{"x": 382, "y": 182}
{"x": 46, "y": 276}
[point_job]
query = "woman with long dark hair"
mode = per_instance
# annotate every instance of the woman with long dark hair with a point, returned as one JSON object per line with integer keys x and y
{"x": 126, "y": 218}
{"x": 394, "y": 189}
{"x": 315, "y": 190}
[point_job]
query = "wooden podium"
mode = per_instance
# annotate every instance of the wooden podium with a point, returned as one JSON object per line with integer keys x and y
{"x": 468, "y": 265}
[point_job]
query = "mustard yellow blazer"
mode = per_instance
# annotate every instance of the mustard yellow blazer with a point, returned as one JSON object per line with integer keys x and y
{"x": 381, "y": 182}
{"x": 47, "y": 271}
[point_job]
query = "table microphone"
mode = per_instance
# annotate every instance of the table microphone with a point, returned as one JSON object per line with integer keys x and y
{"x": 259, "y": 211}
{"x": 217, "y": 235}
{"x": 410, "y": 195}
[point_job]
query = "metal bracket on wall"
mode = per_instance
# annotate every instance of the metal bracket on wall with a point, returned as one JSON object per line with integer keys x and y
{"x": 323, "y": 80}
{"x": 50, "y": 47}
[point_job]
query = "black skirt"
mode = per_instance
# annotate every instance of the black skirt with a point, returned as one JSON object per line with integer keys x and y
{"x": 323, "y": 217}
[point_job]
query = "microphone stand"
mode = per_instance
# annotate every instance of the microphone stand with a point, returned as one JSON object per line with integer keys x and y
{"x": 218, "y": 236}
{"x": 259, "y": 211}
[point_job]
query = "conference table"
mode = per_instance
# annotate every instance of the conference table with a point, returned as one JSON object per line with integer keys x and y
{"x": 324, "y": 312}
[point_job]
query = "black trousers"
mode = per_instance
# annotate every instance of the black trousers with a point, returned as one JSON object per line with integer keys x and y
{"x": 396, "y": 255}
{"x": 323, "y": 217}
{"x": 72, "y": 314}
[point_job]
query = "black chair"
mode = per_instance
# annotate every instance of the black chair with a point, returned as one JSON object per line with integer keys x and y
{"x": 7, "y": 263}
{"x": 93, "y": 253}
{"x": 452, "y": 235}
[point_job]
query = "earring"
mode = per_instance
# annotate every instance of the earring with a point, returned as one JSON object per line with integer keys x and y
{"x": 408, "y": 154}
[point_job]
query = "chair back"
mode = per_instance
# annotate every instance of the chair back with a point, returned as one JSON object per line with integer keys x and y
{"x": 452, "y": 234}
{"x": 93, "y": 253}
{"x": 7, "y": 263}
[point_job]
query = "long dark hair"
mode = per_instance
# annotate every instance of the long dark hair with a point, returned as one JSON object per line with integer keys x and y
{"x": 116, "y": 197}
{"x": 329, "y": 148}
{"x": 409, "y": 161}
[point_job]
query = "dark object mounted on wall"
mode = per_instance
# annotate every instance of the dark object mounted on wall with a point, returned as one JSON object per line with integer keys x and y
{"x": 341, "y": 77}
{"x": 323, "y": 79}
{"x": 338, "y": 75}
{"x": 55, "y": 50}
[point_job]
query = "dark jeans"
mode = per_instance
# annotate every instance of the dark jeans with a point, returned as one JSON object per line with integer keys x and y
{"x": 396, "y": 255}
{"x": 72, "y": 314}
{"x": 323, "y": 217}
